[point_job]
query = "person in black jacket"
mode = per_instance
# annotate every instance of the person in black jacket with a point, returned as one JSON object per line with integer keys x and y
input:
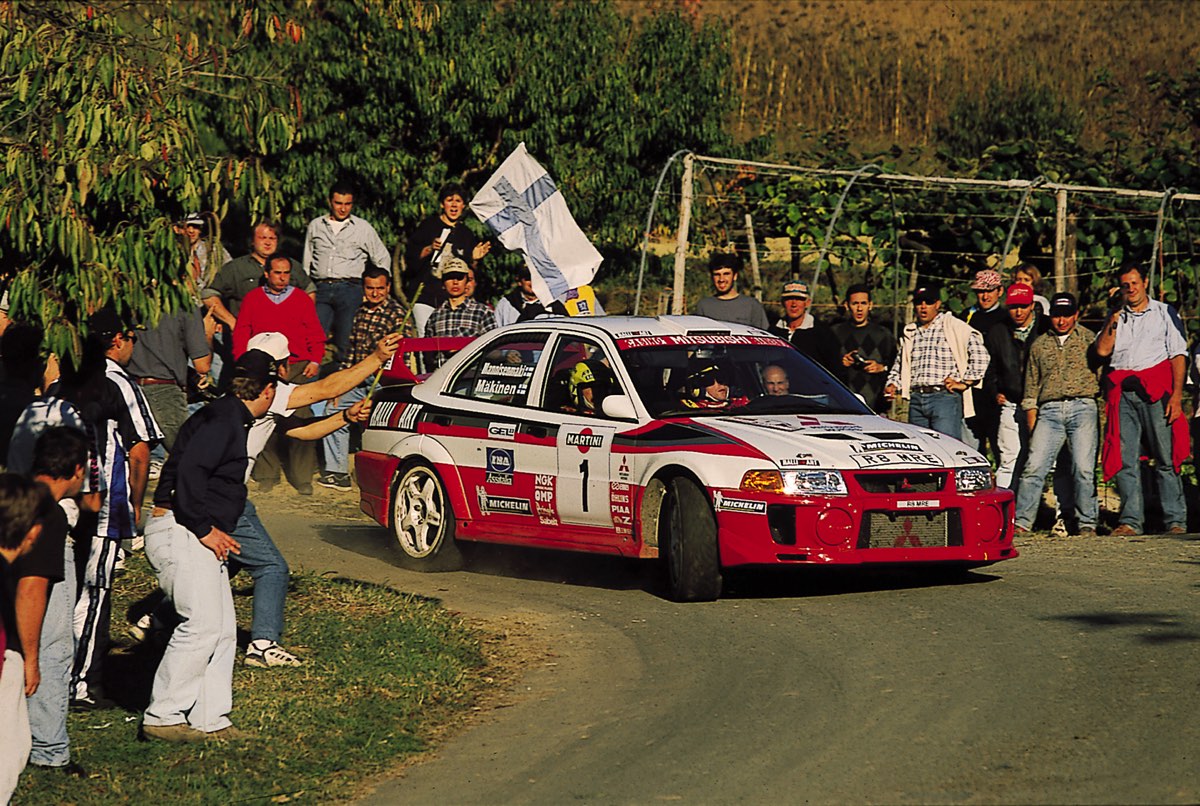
{"x": 1004, "y": 384}
{"x": 987, "y": 312}
{"x": 801, "y": 328}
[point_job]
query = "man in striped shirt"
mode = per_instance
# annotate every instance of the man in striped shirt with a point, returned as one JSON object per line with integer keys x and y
{"x": 110, "y": 401}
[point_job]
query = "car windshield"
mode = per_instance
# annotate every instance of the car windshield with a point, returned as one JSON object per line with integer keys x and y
{"x": 768, "y": 377}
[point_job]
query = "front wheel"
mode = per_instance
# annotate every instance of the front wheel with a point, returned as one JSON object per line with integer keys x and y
{"x": 423, "y": 522}
{"x": 692, "y": 557}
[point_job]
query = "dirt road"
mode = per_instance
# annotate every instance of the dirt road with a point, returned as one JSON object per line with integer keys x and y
{"x": 1070, "y": 675}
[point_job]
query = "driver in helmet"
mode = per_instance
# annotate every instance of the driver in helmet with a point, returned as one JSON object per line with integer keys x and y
{"x": 587, "y": 386}
{"x": 707, "y": 387}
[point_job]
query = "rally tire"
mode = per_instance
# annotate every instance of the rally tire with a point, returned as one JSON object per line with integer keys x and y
{"x": 423, "y": 521}
{"x": 693, "y": 561}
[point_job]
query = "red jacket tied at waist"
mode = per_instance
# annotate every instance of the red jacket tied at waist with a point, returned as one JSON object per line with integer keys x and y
{"x": 1159, "y": 382}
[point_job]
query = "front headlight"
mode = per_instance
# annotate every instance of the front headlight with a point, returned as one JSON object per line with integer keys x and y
{"x": 973, "y": 479}
{"x": 814, "y": 482}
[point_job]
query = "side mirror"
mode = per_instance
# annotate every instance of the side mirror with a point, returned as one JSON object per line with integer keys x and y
{"x": 619, "y": 407}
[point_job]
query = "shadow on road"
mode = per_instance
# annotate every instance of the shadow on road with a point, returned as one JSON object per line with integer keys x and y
{"x": 623, "y": 573}
{"x": 1173, "y": 629}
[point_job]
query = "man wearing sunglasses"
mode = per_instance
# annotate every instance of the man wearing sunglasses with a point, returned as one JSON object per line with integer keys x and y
{"x": 1008, "y": 344}
{"x": 707, "y": 387}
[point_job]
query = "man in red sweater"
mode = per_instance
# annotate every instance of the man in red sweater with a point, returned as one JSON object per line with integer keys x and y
{"x": 279, "y": 307}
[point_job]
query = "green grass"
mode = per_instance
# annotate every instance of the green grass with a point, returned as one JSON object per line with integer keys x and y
{"x": 383, "y": 670}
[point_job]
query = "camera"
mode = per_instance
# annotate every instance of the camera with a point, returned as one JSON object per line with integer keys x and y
{"x": 859, "y": 361}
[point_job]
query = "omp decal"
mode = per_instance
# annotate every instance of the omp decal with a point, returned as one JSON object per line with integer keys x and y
{"x": 741, "y": 505}
{"x": 543, "y": 498}
{"x": 381, "y": 415}
{"x": 918, "y": 503}
{"x": 863, "y": 447}
{"x": 500, "y": 466}
{"x": 501, "y": 504}
{"x": 410, "y": 416}
{"x": 897, "y": 458}
{"x": 502, "y": 431}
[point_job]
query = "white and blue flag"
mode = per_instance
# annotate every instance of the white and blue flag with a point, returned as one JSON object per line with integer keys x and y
{"x": 528, "y": 213}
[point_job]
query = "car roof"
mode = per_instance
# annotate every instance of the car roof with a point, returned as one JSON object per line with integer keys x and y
{"x": 619, "y": 327}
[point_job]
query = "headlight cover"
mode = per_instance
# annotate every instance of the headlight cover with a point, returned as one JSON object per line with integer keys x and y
{"x": 814, "y": 482}
{"x": 973, "y": 479}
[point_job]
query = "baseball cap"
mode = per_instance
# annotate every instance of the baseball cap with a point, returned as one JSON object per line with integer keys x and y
{"x": 1019, "y": 294}
{"x": 927, "y": 293}
{"x": 451, "y": 265}
{"x": 105, "y": 323}
{"x": 256, "y": 365}
{"x": 986, "y": 280}
{"x": 794, "y": 290}
{"x": 273, "y": 344}
{"x": 1063, "y": 304}
{"x": 194, "y": 219}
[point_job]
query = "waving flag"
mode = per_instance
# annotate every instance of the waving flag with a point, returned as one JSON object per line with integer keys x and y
{"x": 523, "y": 206}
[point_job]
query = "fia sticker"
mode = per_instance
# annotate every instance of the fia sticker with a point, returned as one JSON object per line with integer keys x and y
{"x": 500, "y": 466}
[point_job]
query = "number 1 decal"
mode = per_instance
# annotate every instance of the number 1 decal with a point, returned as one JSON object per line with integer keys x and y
{"x": 583, "y": 469}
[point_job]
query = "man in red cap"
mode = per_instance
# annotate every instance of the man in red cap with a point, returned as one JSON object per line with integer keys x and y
{"x": 1004, "y": 385}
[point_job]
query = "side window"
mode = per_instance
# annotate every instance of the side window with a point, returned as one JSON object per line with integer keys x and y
{"x": 502, "y": 372}
{"x": 580, "y": 377}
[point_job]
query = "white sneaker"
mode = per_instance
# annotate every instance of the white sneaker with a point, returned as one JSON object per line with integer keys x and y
{"x": 264, "y": 653}
{"x": 1059, "y": 529}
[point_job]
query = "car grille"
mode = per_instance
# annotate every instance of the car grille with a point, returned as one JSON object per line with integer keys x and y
{"x": 886, "y": 530}
{"x": 901, "y": 483}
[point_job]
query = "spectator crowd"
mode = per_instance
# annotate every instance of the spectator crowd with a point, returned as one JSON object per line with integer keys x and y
{"x": 262, "y": 376}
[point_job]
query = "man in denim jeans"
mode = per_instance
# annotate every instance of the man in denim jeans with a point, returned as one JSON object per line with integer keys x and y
{"x": 1143, "y": 401}
{"x": 1060, "y": 406}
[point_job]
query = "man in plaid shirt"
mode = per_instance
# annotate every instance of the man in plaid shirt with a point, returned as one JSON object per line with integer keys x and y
{"x": 940, "y": 358}
{"x": 379, "y": 315}
{"x": 460, "y": 315}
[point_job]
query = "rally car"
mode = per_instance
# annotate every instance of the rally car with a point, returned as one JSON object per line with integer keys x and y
{"x": 703, "y": 444}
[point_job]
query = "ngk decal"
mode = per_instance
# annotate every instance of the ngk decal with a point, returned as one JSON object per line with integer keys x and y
{"x": 543, "y": 498}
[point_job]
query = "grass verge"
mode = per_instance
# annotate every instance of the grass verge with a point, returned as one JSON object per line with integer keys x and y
{"x": 383, "y": 670}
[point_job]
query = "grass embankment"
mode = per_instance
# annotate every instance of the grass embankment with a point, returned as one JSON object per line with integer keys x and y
{"x": 383, "y": 669}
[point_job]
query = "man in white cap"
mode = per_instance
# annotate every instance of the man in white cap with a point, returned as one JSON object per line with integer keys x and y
{"x": 802, "y": 328}
{"x": 259, "y": 554}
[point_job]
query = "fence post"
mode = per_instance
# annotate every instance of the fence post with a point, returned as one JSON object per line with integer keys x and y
{"x": 681, "y": 237}
{"x": 1060, "y": 239}
{"x": 755, "y": 277}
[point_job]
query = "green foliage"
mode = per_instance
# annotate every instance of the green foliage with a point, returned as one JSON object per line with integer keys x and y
{"x": 1028, "y": 114}
{"x": 98, "y": 133}
{"x": 403, "y": 96}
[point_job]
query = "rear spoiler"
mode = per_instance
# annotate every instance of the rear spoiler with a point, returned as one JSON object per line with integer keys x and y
{"x": 405, "y": 366}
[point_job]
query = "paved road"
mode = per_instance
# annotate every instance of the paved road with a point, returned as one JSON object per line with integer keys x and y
{"x": 1070, "y": 675}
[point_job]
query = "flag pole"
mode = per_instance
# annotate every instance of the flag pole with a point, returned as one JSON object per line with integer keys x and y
{"x": 403, "y": 327}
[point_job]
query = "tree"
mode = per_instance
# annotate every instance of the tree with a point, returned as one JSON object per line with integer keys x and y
{"x": 102, "y": 152}
{"x": 401, "y": 96}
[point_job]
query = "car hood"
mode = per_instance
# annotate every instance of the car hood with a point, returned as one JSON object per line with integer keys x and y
{"x": 845, "y": 442}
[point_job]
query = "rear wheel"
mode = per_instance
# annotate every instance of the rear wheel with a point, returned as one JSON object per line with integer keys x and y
{"x": 423, "y": 521}
{"x": 692, "y": 557}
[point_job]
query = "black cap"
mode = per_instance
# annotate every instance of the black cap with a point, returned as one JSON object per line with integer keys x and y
{"x": 256, "y": 365}
{"x": 1063, "y": 304}
{"x": 105, "y": 323}
{"x": 927, "y": 292}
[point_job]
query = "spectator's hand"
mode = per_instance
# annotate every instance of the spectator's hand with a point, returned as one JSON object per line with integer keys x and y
{"x": 360, "y": 412}
{"x": 1001, "y": 399}
{"x": 220, "y": 544}
{"x": 848, "y": 358}
{"x": 874, "y": 367}
{"x": 953, "y": 385}
{"x": 311, "y": 369}
{"x": 889, "y": 392}
{"x": 1174, "y": 408}
{"x": 481, "y": 249}
{"x": 33, "y": 675}
{"x": 386, "y": 347}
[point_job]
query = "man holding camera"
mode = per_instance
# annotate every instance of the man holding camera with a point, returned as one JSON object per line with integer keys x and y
{"x": 867, "y": 348}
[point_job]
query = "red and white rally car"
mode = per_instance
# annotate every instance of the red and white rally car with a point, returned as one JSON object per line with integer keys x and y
{"x": 660, "y": 438}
